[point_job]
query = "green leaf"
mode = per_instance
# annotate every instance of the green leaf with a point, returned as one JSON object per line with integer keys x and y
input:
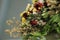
{"x": 33, "y": 38}
{"x": 55, "y": 18}
{"x": 46, "y": 29}
{"x": 26, "y": 37}
{"x": 58, "y": 29}
{"x": 45, "y": 15}
{"x": 43, "y": 38}
{"x": 59, "y": 23}
{"x": 36, "y": 34}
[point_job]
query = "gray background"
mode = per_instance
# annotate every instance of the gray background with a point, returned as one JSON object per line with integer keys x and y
{"x": 9, "y": 9}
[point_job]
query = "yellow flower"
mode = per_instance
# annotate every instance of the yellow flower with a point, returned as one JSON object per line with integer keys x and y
{"x": 31, "y": 8}
{"x": 28, "y": 6}
{"x": 34, "y": 1}
{"x": 23, "y": 20}
{"x": 28, "y": 13}
{"x": 34, "y": 10}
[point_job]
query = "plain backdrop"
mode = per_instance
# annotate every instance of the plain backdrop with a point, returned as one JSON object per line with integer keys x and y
{"x": 9, "y": 9}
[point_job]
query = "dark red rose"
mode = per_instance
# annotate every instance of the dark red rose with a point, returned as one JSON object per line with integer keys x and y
{"x": 25, "y": 15}
{"x": 33, "y": 22}
{"x": 37, "y": 5}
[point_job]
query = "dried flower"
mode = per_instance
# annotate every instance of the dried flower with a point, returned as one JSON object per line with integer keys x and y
{"x": 17, "y": 22}
{"x": 7, "y": 30}
{"x": 9, "y": 22}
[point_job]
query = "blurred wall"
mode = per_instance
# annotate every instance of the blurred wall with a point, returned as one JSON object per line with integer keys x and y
{"x": 9, "y": 9}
